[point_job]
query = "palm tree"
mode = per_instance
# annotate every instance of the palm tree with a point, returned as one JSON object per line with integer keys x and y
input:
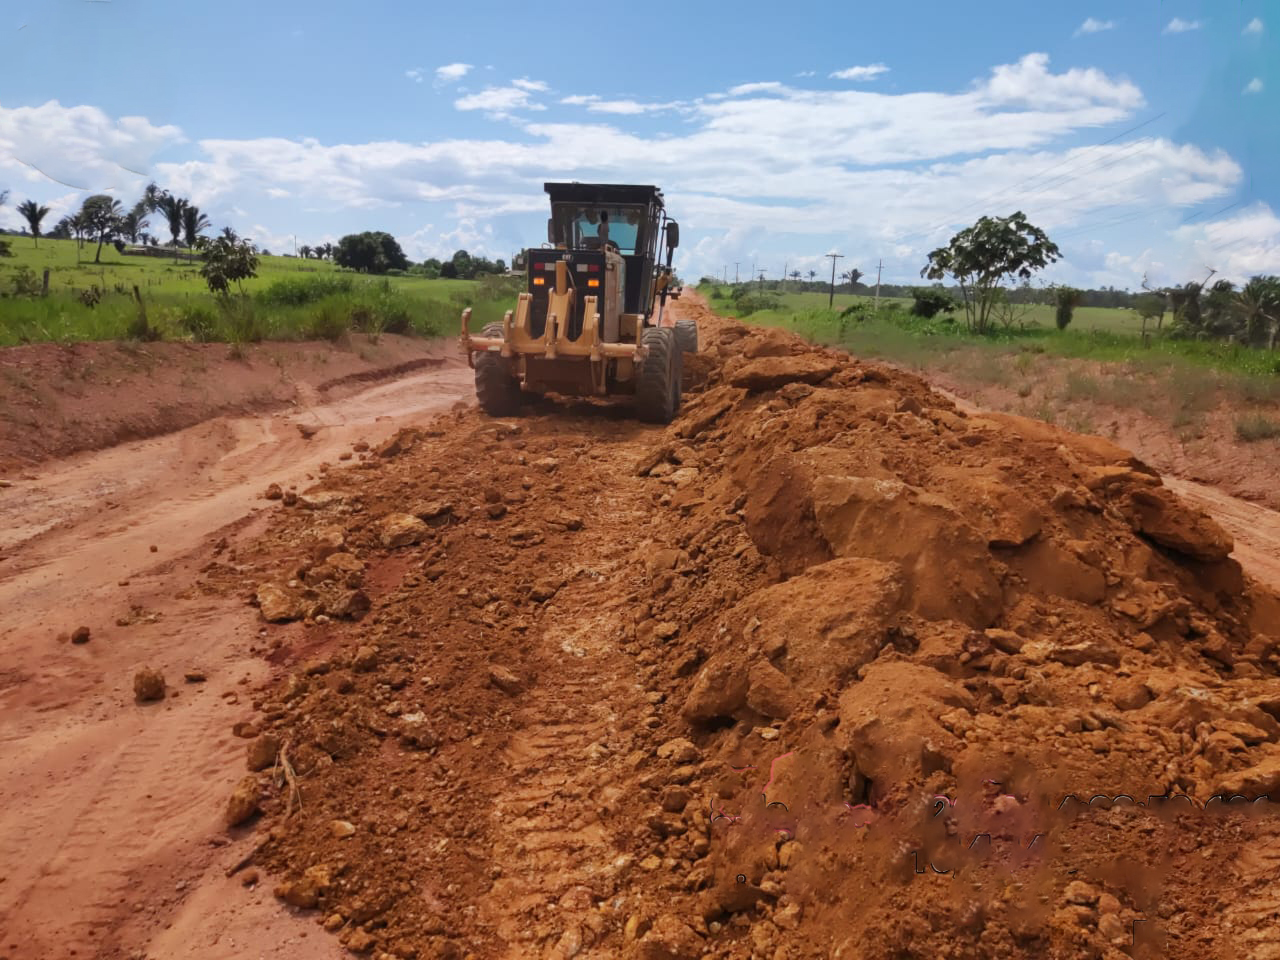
{"x": 133, "y": 223}
{"x": 172, "y": 207}
{"x": 101, "y": 214}
{"x": 812, "y": 274}
{"x": 853, "y": 276}
{"x": 305, "y": 251}
{"x": 33, "y": 213}
{"x": 193, "y": 222}
{"x": 229, "y": 234}
{"x": 1258, "y": 307}
{"x": 795, "y": 275}
{"x": 80, "y": 227}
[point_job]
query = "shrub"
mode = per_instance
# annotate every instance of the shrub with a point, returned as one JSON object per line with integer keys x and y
{"x": 199, "y": 321}
{"x": 1254, "y": 426}
{"x": 929, "y": 302}
{"x": 299, "y": 291}
{"x": 327, "y": 322}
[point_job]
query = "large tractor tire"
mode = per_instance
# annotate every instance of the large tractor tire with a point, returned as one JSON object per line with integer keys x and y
{"x": 658, "y": 384}
{"x": 687, "y": 335}
{"x": 498, "y": 392}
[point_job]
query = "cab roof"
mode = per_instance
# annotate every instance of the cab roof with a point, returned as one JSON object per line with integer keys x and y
{"x": 604, "y": 193}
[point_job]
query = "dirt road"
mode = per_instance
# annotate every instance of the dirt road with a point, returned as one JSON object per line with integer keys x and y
{"x": 594, "y": 633}
{"x": 107, "y": 809}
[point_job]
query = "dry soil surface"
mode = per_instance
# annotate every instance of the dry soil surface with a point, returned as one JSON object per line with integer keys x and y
{"x": 811, "y": 673}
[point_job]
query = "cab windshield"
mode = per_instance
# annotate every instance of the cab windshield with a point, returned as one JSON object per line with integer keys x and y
{"x": 587, "y": 225}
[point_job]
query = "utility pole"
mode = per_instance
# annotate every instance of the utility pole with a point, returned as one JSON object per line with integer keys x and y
{"x": 735, "y": 270}
{"x": 832, "y": 298}
{"x": 761, "y": 279}
{"x": 785, "y": 264}
{"x": 879, "y": 267}
{"x": 726, "y": 274}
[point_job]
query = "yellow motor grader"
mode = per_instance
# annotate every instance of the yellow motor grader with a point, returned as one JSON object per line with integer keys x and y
{"x": 590, "y": 321}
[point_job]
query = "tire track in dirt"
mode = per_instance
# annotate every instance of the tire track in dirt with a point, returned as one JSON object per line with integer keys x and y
{"x": 107, "y": 807}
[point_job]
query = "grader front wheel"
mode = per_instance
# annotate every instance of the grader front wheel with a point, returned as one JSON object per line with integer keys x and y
{"x": 496, "y": 389}
{"x": 658, "y": 385}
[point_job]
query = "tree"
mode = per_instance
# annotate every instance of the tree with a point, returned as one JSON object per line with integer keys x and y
{"x": 305, "y": 251}
{"x": 172, "y": 208}
{"x": 33, "y": 213}
{"x": 449, "y": 270}
{"x": 229, "y": 234}
{"x": 133, "y": 223}
{"x": 371, "y": 252}
{"x": 227, "y": 259}
{"x": 1258, "y": 307}
{"x": 812, "y": 274}
{"x": 1066, "y": 300}
{"x": 931, "y": 301}
{"x": 101, "y": 215}
{"x": 795, "y": 275}
{"x": 981, "y": 257}
{"x": 193, "y": 223}
{"x": 61, "y": 230}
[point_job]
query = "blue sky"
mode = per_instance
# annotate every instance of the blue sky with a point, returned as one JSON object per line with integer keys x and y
{"x": 1142, "y": 136}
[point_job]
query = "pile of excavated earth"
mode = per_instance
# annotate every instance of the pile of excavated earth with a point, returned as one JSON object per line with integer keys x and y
{"x": 827, "y": 668}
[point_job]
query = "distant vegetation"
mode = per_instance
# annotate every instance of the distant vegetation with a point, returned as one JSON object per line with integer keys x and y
{"x": 109, "y": 276}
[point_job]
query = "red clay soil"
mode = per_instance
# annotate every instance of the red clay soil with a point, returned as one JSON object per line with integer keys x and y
{"x": 807, "y": 674}
{"x": 56, "y": 399}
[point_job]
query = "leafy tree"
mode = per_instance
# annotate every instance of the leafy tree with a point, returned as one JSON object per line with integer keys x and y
{"x": 173, "y": 209}
{"x": 305, "y": 251}
{"x": 449, "y": 270}
{"x": 33, "y": 213}
{"x": 229, "y": 234}
{"x": 61, "y": 230}
{"x": 981, "y": 257}
{"x": 227, "y": 259}
{"x": 193, "y": 224}
{"x": 371, "y": 252}
{"x": 431, "y": 268}
{"x": 101, "y": 215}
{"x": 931, "y": 301}
{"x": 1065, "y": 299}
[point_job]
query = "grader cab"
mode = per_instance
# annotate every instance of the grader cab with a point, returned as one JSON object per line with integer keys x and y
{"x": 591, "y": 320}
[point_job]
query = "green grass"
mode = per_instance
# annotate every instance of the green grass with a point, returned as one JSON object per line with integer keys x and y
{"x": 1103, "y": 334}
{"x": 289, "y": 299}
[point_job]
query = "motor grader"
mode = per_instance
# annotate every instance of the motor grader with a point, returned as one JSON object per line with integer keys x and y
{"x": 591, "y": 320}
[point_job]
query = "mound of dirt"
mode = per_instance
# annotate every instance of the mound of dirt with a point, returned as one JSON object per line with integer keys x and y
{"x": 808, "y": 674}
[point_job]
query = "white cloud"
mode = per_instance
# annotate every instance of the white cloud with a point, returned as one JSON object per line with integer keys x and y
{"x": 742, "y": 89}
{"x": 775, "y": 169}
{"x": 1254, "y": 26}
{"x": 1253, "y": 86}
{"x": 860, "y": 73}
{"x": 452, "y": 72}
{"x": 416, "y": 74}
{"x": 80, "y": 147}
{"x": 807, "y": 73}
{"x": 1178, "y": 25}
{"x": 1095, "y": 26}
{"x": 498, "y": 101}
{"x": 530, "y": 86}
{"x": 1238, "y": 247}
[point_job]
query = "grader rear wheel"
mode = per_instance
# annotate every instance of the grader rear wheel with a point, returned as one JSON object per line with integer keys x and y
{"x": 687, "y": 335}
{"x": 497, "y": 390}
{"x": 658, "y": 385}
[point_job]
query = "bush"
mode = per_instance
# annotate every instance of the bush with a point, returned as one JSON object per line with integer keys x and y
{"x": 299, "y": 291}
{"x": 199, "y": 321}
{"x": 396, "y": 272}
{"x": 327, "y": 322}
{"x": 1255, "y": 426}
{"x": 929, "y": 302}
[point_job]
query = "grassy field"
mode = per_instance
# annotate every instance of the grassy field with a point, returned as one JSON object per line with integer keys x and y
{"x": 1096, "y": 333}
{"x": 289, "y": 299}
{"x": 1085, "y": 318}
